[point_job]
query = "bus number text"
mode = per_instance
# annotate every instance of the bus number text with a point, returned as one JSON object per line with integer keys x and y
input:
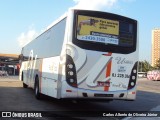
{"x": 120, "y": 75}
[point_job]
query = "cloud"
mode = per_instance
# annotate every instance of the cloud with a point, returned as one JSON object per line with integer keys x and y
{"x": 26, "y": 37}
{"x": 94, "y": 4}
{"x": 89, "y": 5}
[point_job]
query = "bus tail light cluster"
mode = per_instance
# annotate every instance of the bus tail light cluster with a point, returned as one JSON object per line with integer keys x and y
{"x": 71, "y": 76}
{"x": 133, "y": 77}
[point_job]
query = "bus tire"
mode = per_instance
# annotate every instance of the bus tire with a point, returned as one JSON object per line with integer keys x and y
{"x": 36, "y": 88}
{"x": 24, "y": 85}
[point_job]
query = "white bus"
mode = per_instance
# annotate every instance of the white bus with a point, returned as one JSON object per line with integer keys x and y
{"x": 84, "y": 55}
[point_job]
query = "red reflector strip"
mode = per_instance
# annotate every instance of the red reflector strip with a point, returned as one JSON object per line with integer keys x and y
{"x": 133, "y": 92}
{"x": 68, "y": 90}
{"x": 106, "y": 88}
{"x": 75, "y": 85}
{"x": 108, "y": 54}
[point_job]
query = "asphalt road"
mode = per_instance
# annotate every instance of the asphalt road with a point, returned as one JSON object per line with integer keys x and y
{"x": 13, "y": 97}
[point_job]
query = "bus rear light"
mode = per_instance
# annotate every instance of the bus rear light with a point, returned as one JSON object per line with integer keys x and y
{"x": 74, "y": 85}
{"x": 70, "y": 73}
{"x": 133, "y": 92}
{"x": 68, "y": 90}
{"x": 71, "y": 76}
{"x": 134, "y": 71}
{"x": 132, "y": 83}
{"x": 70, "y": 66}
{"x": 133, "y": 77}
{"x": 71, "y": 80}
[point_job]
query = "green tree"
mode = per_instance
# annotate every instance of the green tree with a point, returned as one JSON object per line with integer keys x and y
{"x": 144, "y": 66}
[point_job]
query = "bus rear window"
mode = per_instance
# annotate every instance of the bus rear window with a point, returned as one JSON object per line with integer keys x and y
{"x": 106, "y": 31}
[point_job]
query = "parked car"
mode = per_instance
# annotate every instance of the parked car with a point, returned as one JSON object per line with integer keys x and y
{"x": 142, "y": 74}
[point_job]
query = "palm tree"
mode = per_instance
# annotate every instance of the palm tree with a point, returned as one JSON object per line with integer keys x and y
{"x": 144, "y": 66}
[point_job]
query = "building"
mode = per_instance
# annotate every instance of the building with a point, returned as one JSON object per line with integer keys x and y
{"x": 9, "y": 64}
{"x": 155, "y": 45}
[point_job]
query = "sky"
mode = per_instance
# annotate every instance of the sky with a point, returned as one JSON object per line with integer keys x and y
{"x": 23, "y": 20}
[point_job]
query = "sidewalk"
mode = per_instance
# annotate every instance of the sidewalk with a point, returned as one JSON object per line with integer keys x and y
{"x": 10, "y": 81}
{"x": 9, "y": 78}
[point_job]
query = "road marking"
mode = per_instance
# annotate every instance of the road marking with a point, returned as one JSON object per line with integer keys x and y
{"x": 157, "y": 108}
{"x": 9, "y": 78}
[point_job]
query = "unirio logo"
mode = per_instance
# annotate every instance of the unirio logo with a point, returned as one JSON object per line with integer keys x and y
{"x": 123, "y": 61}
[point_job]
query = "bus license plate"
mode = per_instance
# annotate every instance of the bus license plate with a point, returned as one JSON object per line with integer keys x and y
{"x": 102, "y": 84}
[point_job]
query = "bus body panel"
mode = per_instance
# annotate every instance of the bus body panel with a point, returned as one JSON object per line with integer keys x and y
{"x": 102, "y": 74}
{"x": 43, "y": 58}
{"x": 49, "y": 79}
{"x": 95, "y": 73}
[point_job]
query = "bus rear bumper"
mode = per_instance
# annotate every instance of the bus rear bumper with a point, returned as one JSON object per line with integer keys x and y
{"x": 121, "y": 95}
{"x": 100, "y": 95}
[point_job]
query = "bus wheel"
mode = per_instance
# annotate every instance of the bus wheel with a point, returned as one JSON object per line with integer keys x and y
{"x": 36, "y": 89}
{"x": 24, "y": 85}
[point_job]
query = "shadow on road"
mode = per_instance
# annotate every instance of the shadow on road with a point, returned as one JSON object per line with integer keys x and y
{"x": 13, "y": 97}
{"x": 20, "y": 99}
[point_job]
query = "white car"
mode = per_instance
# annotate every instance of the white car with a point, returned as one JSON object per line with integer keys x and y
{"x": 142, "y": 74}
